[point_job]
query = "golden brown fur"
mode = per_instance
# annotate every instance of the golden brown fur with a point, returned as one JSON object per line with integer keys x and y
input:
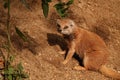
{"x": 89, "y": 46}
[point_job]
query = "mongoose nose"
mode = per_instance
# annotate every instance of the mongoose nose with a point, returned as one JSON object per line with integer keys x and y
{"x": 59, "y": 30}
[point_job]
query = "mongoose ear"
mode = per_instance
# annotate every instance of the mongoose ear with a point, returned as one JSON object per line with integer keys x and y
{"x": 72, "y": 23}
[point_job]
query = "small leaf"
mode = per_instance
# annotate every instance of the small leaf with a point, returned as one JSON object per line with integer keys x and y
{"x": 21, "y": 34}
{"x": 11, "y": 58}
{"x": 60, "y": 9}
{"x": 59, "y": 5}
{"x": 20, "y": 67}
{"x": 10, "y": 70}
{"x": 10, "y": 77}
{"x": 61, "y": 13}
{"x": 49, "y": 0}
{"x": 46, "y": 1}
{"x": 5, "y": 71}
{"x": 24, "y": 75}
{"x": 45, "y": 7}
{"x": 70, "y": 2}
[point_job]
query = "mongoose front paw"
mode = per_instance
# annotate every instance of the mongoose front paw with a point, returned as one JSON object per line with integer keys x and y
{"x": 64, "y": 62}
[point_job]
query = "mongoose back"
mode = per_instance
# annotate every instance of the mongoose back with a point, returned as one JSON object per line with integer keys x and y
{"x": 88, "y": 45}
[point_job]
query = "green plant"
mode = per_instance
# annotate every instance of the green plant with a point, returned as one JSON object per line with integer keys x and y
{"x": 45, "y": 7}
{"x": 61, "y": 7}
{"x": 10, "y": 72}
{"x": 13, "y": 72}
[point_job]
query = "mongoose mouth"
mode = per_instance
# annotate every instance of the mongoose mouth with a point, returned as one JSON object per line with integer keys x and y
{"x": 60, "y": 31}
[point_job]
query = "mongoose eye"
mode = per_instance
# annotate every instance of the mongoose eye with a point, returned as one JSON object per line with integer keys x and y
{"x": 58, "y": 25}
{"x": 65, "y": 27}
{"x": 71, "y": 25}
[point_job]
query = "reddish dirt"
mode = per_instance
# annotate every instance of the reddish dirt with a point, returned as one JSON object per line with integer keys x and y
{"x": 41, "y": 59}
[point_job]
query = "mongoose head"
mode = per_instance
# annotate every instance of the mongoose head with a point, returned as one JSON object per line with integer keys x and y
{"x": 65, "y": 26}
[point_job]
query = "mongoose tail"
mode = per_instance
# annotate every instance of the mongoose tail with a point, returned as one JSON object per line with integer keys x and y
{"x": 109, "y": 72}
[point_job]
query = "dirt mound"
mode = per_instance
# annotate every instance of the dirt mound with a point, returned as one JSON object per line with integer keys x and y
{"x": 99, "y": 16}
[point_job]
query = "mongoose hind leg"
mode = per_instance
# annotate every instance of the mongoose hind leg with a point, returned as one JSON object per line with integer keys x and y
{"x": 94, "y": 60}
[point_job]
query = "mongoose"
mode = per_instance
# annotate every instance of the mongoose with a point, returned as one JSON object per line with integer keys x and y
{"x": 88, "y": 45}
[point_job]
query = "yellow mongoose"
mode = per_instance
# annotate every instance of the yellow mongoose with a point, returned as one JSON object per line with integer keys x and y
{"x": 89, "y": 46}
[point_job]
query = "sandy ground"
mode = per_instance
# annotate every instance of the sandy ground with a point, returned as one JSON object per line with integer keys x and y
{"x": 41, "y": 59}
